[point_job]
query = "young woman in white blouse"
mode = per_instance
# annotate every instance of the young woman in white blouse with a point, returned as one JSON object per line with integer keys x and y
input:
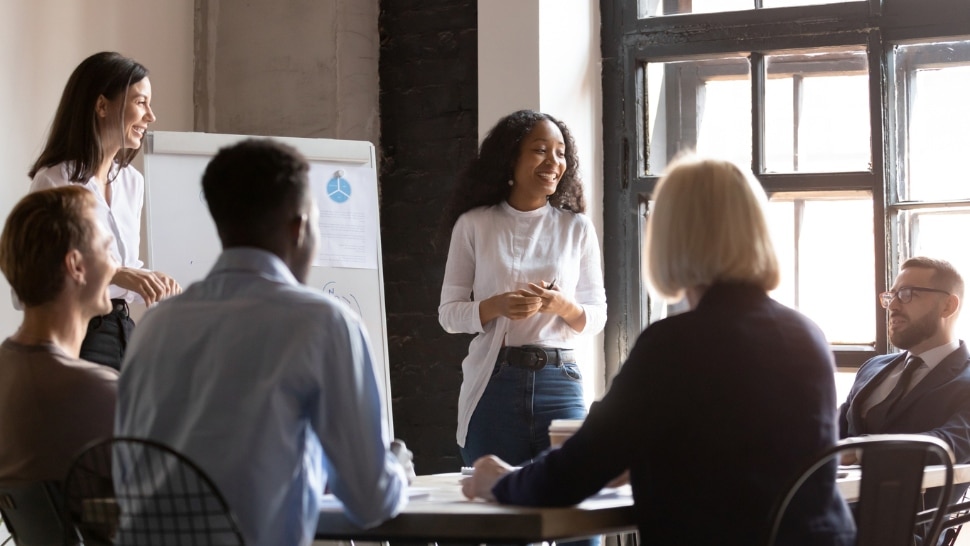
{"x": 524, "y": 274}
{"x": 102, "y": 117}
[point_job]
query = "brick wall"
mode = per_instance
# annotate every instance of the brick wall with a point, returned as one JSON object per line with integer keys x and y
{"x": 428, "y": 113}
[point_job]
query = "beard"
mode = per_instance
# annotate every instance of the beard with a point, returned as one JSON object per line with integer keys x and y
{"x": 917, "y": 331}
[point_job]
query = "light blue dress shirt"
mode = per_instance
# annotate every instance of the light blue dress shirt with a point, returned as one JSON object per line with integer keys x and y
{"x": 249, "y": 374}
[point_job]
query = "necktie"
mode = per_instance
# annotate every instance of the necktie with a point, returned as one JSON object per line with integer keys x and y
{"x": 878, "y": 413}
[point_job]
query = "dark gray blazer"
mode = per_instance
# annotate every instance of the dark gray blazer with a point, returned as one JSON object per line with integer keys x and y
{"x": 938, "y": 405}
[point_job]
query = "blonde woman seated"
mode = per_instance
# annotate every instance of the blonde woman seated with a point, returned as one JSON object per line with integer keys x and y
{"x": 715, "y": 409}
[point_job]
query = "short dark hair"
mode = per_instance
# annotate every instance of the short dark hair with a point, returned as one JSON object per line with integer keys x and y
{"x": 74, "y": 135}
{"x": 945, "y": 276}
{"x": 41, "y": 229}
{"x": 251, "y": 186}
{"x": 485, "y": 179}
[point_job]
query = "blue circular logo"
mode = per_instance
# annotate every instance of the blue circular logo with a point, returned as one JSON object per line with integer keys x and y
{"x": 338, "y": 188}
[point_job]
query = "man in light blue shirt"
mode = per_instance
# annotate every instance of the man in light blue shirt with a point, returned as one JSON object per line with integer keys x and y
{"x": 249, "y": 373}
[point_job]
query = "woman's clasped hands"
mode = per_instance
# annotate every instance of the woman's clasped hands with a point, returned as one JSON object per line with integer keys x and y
{"x": 523, "y": 303}
{"x": 552, "y": 299}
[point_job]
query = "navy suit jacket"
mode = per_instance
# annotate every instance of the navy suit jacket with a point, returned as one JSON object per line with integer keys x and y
{"x": 938, "y": 405}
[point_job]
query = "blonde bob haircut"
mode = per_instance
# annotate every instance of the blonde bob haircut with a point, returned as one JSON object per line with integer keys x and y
{"x": 707, "y": 225}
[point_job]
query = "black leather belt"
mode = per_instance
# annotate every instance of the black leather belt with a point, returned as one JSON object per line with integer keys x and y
{"x": 535, "y": 358}
{"x": 119, "y": 306}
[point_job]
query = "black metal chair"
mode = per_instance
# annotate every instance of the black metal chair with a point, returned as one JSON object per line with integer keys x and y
{"x": 955, "y": 516}
{"x": 35, "y": 515}
{"x": 156, "y": 496}
{"x": 890, "y": 489}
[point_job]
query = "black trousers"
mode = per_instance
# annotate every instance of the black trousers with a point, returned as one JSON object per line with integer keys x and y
{"x": 108, "y": 336}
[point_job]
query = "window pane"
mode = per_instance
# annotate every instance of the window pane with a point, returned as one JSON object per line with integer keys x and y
{"x": 654, "y": 307}
{"x": 787, "y": 3}
{"x": 938, "y": 233}
{"x": 725, "y": 121}
{"x": 698, "y": 105}
{"x": 817, "y": 111}
{"x": 653, "y": 8}
{"x": 933, "y": 79}
{"x": 827, "y": 266}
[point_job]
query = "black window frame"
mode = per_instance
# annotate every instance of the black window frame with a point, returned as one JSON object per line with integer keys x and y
{"x": 627, "y": 42}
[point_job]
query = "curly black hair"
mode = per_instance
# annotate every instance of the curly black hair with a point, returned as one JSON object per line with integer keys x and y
{"x": 485, "y": 179}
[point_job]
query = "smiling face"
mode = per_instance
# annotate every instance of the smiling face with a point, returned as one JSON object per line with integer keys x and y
{"x": 539, "y": 167}
{"x": 138, "y": 114}
{"x": 918, "y": 325}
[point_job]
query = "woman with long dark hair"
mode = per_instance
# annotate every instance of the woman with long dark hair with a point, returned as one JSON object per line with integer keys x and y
{"x": 102, "y": 117}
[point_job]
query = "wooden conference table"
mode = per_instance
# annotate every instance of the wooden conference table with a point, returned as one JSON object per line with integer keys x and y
{"x": 445, "y": 515}
{"x": 439, "y": 513}
{"x": 933, "y": 476}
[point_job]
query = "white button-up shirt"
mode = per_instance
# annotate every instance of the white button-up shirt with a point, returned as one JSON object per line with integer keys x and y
{"x": 122, "y": 216}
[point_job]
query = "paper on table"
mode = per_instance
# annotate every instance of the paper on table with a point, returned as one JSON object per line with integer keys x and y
{"x": 331, "y": 501}
{"x": 846, "y": 469}
{"x": 605, "y": 493}
{"x": 613, "y": 492}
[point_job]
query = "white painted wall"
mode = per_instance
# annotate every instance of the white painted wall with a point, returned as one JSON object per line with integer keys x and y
{"x": 41, "y": 41}
{"x": 545, "y": 55}
{"x": 508, "y": 60}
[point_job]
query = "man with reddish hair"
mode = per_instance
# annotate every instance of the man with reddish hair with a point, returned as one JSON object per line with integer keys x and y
{"x": 55, "y": 255}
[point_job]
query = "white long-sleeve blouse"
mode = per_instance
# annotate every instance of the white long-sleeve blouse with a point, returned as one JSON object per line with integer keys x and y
{"x": 499, "y": 249}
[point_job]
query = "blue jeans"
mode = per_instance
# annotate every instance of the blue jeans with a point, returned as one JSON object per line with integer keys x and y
{"x": 512, "y": 419}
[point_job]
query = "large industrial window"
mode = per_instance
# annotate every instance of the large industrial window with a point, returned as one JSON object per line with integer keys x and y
{"x": 852, "y": 115}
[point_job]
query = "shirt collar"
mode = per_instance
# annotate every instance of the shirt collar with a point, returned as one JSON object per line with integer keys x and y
{"x": 525, "y": 213}
{"x": 936, "y": 355}
{"x": 254, "y": 260}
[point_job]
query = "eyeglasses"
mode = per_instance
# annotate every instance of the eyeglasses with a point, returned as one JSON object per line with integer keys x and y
{"x": 905, "y": 294}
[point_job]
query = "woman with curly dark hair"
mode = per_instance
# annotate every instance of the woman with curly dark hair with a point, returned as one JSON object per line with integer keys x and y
{"x": 524, "y": 273}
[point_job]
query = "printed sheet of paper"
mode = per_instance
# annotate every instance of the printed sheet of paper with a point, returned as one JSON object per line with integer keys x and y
{"x": 347, "y": 197}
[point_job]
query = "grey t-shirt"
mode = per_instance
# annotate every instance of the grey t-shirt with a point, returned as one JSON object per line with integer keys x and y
{"x": 51, "y": 406}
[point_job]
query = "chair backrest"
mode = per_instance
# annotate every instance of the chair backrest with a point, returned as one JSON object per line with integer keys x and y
{"x": 35, "y": 515}
{"x": 890, "y": 489}
{"x": 135, "y": 491}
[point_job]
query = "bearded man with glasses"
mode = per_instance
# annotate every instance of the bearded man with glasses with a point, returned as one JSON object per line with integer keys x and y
{"x": 925, "y": 389}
